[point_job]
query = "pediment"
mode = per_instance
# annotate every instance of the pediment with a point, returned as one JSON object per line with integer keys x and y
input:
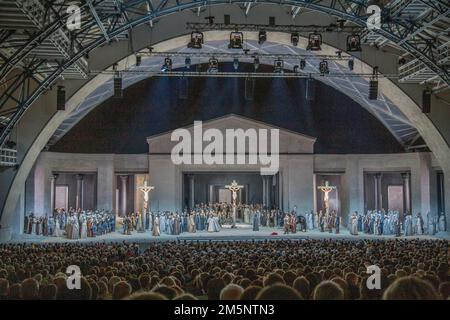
{"x": 289, "y": 141}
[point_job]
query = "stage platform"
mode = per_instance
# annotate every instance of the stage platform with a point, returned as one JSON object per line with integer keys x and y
{"x": 242, "y": 232}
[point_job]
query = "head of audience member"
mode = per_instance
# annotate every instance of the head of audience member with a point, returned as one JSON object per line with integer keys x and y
{"x": 231, "y": 292}
{"x": 410, "y": 288}
{"x": 328, "y": 290}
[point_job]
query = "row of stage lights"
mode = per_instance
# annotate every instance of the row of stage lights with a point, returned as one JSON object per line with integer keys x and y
{"x": 278, "y": 65}
{"x": 314, "y": 40}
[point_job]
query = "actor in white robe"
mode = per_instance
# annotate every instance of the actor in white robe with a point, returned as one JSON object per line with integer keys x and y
{"x": 58, "y": 231}
{"x": 354, "y": 224}
{"x": 83, "y": 233}
{"x": 442, "y": 226}
{"x": 210, "y": 222}
{"x": 156, "y": 232}
{"x": 75, "y": 228}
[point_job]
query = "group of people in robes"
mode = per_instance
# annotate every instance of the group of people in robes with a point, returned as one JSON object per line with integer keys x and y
{"x": 71, "y": 224}
{"x": 392, "y": 223}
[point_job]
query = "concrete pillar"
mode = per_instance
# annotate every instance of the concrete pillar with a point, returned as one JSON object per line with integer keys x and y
{"x": 53, "y": 178}
{"x": 351, "y": 186}
{"x": 406, "y": 193}
{"x": 420, "y": 184}
{"x": 191, "y": 191}
{"x": 269, "y": 191}
{"x": 123, "y": 194}
{"x": 80, "y": 188}
{"x": 105, "y": 186}
{"x": 378, "y": 195}
{"x": 264, "y": 185}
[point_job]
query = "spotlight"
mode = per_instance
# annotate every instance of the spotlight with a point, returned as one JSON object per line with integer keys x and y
{"x": 401, "y": 61}
{"x": 426, "y": 100}
{"x": 236, "y": 64}
{"x": 256, "y": 63}
{"x": 236, "y": 40}
{"x": 187, "y": 63}
{"x": 167, "y": 66}
{"x": 323, "y": 67}
{"x": 310, "y": 90}
{"x": 294, "y": 38}
{"x": 373, "y": 89}
{"x": 262, "y": 36}
{"x": 373, "y": 85}
{"x": 314, "y": 42}
{"x": 196, "y": 40}
{"x": 213, "y": 65}
{"x": 296, "y": 67}
{"x": 302, "y": 64}
{"x": 118, "y": 91}
{"x": 354, "y": 43}
{"x": 138, "y": 60}
{"x": 61, "y": 99}
{"x": 351, "y": 64}
{"x": 278, "y": 66}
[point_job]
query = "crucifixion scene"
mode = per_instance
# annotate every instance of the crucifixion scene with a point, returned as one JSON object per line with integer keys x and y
{"x": 224, "y": 150}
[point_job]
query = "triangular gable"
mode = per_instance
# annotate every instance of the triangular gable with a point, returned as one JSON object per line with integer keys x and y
{"x": 290, "y": 141}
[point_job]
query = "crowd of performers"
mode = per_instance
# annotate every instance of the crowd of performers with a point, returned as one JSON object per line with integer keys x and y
{"x": 78, "y": 224}
{"x": 392, "y": 223}
{"x": 71, "y": 224}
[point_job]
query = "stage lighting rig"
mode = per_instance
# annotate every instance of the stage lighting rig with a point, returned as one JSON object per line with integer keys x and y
{"x": 302, "y": 64}
{"x": 196, "y": 40}
{"x": 61, "y": 98}
{"x": 236, "y": 40}
{"x": 354, "y": 43}
{"x": 138, "y": 60}
{"x": 278, "y": 66}
{"x": 213, "y": 65}
{"x": 323, "y": 67}
{"x": 314, "y": 42}
{"x": 262, "y": 36}
{"x": 256, "y": 63}
{"x": 351, "y": 64}
{"x": 236, "y": 64}
{"x": 187, "y": 63}
{"x": 118, "y": 90}
{"x": 426, "y": 100}
{"x": 167, "y": 66}
{"x": 295, "y": 38}
{"x": 373, "y": 85}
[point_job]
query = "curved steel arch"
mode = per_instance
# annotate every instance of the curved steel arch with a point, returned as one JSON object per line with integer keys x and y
{"x": 127, "y": 12}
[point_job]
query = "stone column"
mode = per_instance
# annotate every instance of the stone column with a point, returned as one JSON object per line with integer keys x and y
{"x": 378, "y": 196}
{"x": 406, "y": 193}
{"x": 53, "y": 178}
{"x": 269, "y": 190}
{"x": 80, "y": 187}
{"x": 264, "y": 199}
{"x": 191, "y": 191}
{"x": 123, "y": 196}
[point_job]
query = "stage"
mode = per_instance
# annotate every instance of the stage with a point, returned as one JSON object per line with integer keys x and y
{"x": 242, "y": 232}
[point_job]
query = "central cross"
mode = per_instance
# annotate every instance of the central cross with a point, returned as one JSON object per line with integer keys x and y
{"x": 234, "y": 187}
{"x": 145, "y": 189}
{"x": 326, "y": 189}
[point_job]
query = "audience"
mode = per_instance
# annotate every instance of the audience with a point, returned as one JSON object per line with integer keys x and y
{"x": 245, "y": 270}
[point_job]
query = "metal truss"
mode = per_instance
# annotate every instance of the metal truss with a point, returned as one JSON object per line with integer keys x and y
{"x": 36, "y": 42}
{"x": 356, "y": 86}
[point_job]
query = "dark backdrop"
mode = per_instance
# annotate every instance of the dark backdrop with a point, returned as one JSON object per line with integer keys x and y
{"x": 153, "y": 106}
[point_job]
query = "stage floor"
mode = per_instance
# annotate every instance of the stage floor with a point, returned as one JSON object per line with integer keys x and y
{"x": 242, "y": 232}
